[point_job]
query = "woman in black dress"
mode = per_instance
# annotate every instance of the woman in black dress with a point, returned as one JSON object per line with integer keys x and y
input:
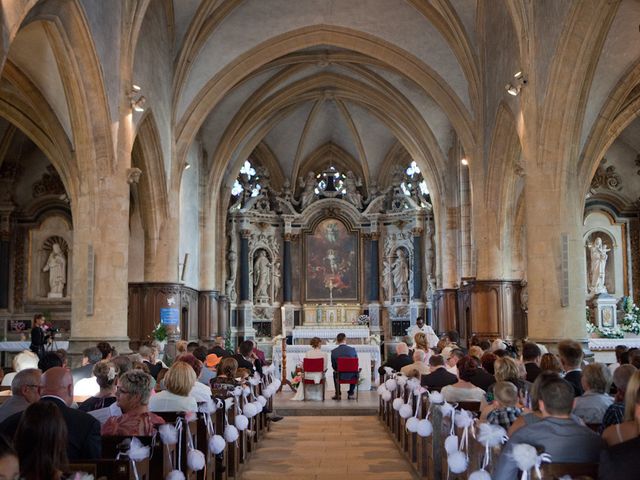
{"x": 38, "y": 337}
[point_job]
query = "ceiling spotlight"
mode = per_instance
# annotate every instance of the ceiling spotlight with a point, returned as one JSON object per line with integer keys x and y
{"x": 517, "y": 75}
{"x": 135, "y": 88}
{"x": 464, "y": 161}
{"x": 187, "y": 166}
{"x": 513, "y": 89}
{"x": 138, "y": 104}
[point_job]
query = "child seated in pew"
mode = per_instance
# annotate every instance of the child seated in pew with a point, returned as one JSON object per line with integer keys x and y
{"x": 242, "y": 375}
{"x": 225, "y": 382}
{"x": 504, "y": 409}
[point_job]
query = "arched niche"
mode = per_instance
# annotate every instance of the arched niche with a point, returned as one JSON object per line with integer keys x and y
{"x": 54, "y": 229}
{"x": 614, "y": 237}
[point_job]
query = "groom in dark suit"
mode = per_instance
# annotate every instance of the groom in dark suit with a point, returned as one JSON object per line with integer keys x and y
{"x": 343, "y": 351}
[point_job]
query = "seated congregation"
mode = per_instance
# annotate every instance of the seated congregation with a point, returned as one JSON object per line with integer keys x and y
{"x": 495, "y": 412}
{"x": 201, "y": 416}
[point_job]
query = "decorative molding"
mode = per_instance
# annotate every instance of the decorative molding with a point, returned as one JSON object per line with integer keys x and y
{"x": 133, "y": 175}
{"x": 49, "y": 184}
{"x": 607, "y": 177}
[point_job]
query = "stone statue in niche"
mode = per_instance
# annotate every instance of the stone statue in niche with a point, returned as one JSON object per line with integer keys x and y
{"x": 308, "y": 190}
{"x": 400, "y": 272}
{"x": 261, "y": 277}
{"x": 351, "y": 195}
{"x": 524, "y": 296}
{"x": 598, "y": 253}
{"x": 57, "y": 267}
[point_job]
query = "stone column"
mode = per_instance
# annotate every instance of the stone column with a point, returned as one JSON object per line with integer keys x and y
{"x": 287, "y": 288}
{"x": 244, "y": 265}
{"x": 223, "y": 314}
{"x": 5, "y": 237}
{"x": 374, "y": 285}
{"x": 100, "y": 266}
{"x": 417, "y": 264}
{"x": 556, "y": 271}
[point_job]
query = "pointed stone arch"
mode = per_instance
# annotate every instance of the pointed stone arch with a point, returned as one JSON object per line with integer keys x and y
{"x": 340, "y": 158}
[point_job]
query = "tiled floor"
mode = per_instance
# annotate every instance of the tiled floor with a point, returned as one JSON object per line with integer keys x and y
{"x": 327, "y": 448}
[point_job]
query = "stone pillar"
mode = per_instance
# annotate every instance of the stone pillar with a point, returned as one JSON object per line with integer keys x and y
{"x": 556, "y": 270}
{"x": 223, "y": 314}
{"x": 244, "y": 265}
{"x": 208, "y": 314}
{"x": 287, "y": 287}
{"x": 5, "y": 236}
{"x": 374, "y": 285}
{"x": 100, "y": 266}
{"x": 417, "y": 264}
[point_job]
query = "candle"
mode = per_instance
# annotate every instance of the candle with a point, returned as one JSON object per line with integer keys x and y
{"x": 283, "y": 314}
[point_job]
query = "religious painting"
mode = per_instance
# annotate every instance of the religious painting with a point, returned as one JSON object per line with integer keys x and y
{"x": 331, "y": 254}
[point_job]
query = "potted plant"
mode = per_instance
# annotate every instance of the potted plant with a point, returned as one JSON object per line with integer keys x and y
{"x": 160, "y": 335}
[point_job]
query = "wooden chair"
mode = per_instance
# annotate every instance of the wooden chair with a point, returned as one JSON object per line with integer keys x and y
{"x": 553, "y": 471}
{"x": 473, "y": 407}
{"x": 313, "y": 365}
{"x": 348, "y": 366}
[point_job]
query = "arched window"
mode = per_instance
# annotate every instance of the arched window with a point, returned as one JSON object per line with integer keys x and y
{"x": 331, "y": 180}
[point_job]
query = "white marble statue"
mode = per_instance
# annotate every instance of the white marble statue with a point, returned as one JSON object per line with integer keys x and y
{"x": 276, "y": 279}
{"x": 261, "y": 276}
{"x": 400, "y": 272}
{"x": 57, "y": 267}
{"x": 598, "y": 254}
{"x": 232, "y": 265}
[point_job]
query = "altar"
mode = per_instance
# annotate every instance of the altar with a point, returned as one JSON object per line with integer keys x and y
{"x": 369, "y": 360}
{"x": 354, "y": 333}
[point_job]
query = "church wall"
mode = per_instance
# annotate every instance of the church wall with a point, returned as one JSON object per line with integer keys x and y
{"x": 136, "y": 245}
{"x": 190, "y": 219}
{"x": 152, "y": 71}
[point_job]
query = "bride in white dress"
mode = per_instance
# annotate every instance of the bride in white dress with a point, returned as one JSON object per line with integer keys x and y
{"x": 315, "y": 352}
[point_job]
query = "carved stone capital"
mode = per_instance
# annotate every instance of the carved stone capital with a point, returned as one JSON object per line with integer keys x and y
{"x": 133, "y": 175}
{"x": 416, "y": 231}
{"x": 245, "y": 233}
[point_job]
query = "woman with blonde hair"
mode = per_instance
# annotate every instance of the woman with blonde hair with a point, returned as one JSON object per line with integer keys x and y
{"x": 420, "y": 342}
{"x": 178, "y": 382}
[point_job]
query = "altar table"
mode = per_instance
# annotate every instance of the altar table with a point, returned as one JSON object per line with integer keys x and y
{"x": 330, "y": 332}
{"x": 368, "y": 357}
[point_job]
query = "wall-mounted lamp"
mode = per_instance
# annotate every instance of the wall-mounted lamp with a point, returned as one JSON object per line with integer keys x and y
{"x": 187, "y": 166}
{"x": 514, "y": 87}
{"x": 464, "y": 161}
{"x": 136, "y": 99}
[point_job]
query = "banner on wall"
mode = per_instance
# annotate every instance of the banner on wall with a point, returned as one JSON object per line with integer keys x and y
{"x": 169, "y": 316}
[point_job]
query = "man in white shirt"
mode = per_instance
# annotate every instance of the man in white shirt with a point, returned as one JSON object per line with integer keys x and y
{"x": 432, "y": 338}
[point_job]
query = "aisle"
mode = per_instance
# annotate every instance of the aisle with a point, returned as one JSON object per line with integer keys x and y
{"x": 326, "y": 448}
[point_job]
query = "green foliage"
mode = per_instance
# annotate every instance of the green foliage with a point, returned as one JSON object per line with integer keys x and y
{"x": 159, "y": 333}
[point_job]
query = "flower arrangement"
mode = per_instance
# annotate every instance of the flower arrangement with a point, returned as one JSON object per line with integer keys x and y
{"x": 604, "y": 332}
{"x": 363, "y": 320}
{"x": 631, "y": 320}
{"x": 296, "y": 377}
{"x": 159, "y": 333}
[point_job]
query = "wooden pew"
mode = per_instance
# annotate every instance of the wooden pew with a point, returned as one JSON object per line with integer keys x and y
{"x": 189, "y": 428}
{"x": 231, "y": 453}
{"x": 424, "y": 445}
{"x": 161, "y": 460}
{"x": 209, "y": 472}
{"x": 104, "y": 469}
{"x": 554, "y": 471}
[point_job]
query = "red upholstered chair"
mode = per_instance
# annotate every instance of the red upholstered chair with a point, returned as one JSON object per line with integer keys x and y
{"x": 348, "y": 365}
{"x": 313, "y": 365}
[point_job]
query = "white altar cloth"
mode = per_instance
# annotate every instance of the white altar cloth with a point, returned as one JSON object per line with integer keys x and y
{"x": 610, "y": 343}
{"x": 20, "y": 346}
{"x": 368, "y": 357}
{"x": 330, "y": 332}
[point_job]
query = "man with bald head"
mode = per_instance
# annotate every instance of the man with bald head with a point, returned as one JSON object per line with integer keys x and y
{"x": 24, "y": 391}
{"x": 56, "y": 386}
{"x": 401, "y": 359}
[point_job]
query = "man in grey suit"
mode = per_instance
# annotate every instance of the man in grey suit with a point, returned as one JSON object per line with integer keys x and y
{"x": 343, "y": 351}
{"x": 557, "y": 433}
{"x": 24, "y": 391}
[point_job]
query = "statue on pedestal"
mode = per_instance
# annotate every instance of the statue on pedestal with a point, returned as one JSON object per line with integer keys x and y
{"x": 598, "y": 255}
{"x": 308, "y": 190}
{"x": 56, "y": 266}
{"x": 261, "y": 277}
{"x": 351, "y": 195}
{"x": 400, "y": 271}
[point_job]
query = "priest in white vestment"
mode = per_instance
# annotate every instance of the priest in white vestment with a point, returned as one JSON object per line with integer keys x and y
{"x": 432, "y": 338}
